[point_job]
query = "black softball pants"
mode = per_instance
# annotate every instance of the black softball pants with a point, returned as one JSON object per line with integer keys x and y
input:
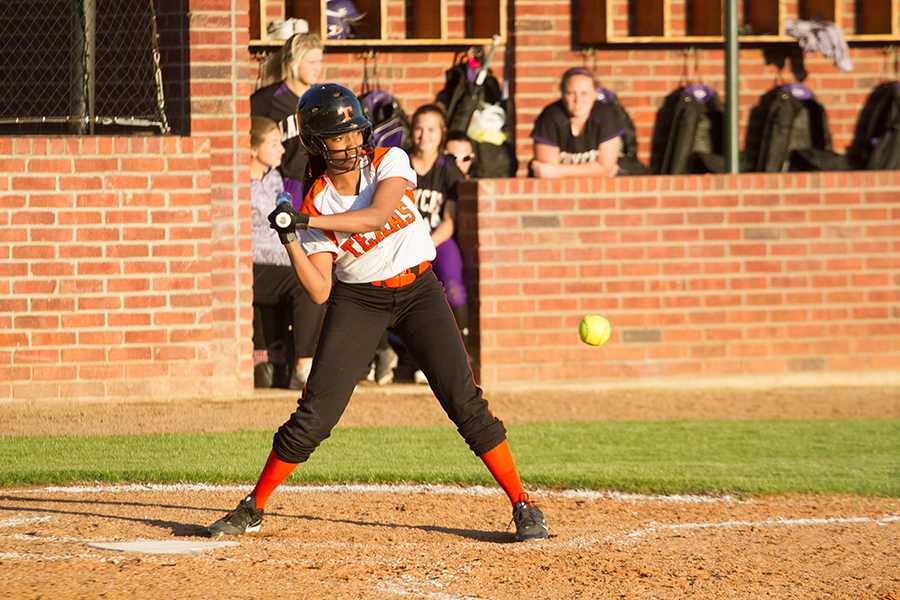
{"x": 357, "y": 316}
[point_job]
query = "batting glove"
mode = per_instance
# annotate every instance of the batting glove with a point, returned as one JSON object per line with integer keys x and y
{"x": 286, "y": 221}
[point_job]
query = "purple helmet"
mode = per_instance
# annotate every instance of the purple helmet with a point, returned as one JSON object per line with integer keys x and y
{"x": 341, "y": 15}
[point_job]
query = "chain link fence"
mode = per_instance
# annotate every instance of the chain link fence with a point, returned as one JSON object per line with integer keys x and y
{"x": 80, "y": 66}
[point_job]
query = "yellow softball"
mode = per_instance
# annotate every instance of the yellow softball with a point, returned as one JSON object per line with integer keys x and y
{"x": 594, "y": 330}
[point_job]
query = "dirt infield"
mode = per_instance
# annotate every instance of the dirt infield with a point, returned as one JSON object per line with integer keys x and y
{"x": 451, "y": 543}
{"x": 440, "y": 545}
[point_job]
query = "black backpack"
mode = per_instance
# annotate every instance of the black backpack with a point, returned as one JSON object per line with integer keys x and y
{"x": 461, "y": 97}
{"x": 876, "y": 142}
{"x": 788, "y": 131}
{"x": 628, "y": 160}
{"x": 390, "y": 125}
{"x": 688, "y": 133}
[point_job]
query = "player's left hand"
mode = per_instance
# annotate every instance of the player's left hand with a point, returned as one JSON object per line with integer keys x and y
{"x": 285, "y": 220}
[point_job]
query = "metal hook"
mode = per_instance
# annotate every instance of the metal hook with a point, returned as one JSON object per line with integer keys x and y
{"x": 364, "y": 87}
{"x": 589, "y": 53}
{"x": 888, "y": 62}
{"x": 896, "y": 61}
{"x": 697, "y": 77}
{"x": 685, "y": 67}
{"x": 375, "y": 70}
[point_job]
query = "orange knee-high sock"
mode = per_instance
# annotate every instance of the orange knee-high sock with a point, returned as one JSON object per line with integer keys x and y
{"x": 500, "y": 463}
{"x": 273, "y": 474}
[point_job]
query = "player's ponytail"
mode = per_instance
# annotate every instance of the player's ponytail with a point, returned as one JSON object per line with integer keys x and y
{"x": 315, "y": 168}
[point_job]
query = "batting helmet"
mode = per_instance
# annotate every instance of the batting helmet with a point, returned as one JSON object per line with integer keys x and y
{"x": 327, "y": 110}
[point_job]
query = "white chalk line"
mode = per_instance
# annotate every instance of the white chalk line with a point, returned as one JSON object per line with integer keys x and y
{"x": 28, "y": 556}
{"x": 28, "y": 537}
{"x": 17, "y": 521}
{"x": 410, "y": 586}
{"x": 773, "y": 522}
{"x": 475, "y": 490}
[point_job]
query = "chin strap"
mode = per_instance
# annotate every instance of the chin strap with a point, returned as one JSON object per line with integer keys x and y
{"x": 361, "y": 152}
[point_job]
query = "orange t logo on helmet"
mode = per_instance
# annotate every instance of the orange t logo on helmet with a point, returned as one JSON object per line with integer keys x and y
{"x": 347, "y": 111}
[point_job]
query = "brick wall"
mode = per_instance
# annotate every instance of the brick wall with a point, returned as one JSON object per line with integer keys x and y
{"x": 125, "y": 261}
{"x": 220, "y": 110}
{"x": 106, "y": 263}
{"x": 699, "y": 276}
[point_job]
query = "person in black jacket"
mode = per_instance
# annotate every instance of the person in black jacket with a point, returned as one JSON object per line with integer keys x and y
{"x": 301, "y": 62}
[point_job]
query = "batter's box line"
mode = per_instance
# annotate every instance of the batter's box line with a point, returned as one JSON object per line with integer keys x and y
{"x": 475, "y": 490}
{"x": 19, "y": 521}
{"x": 19, "y": 556}
{"x": 655, "y": 528}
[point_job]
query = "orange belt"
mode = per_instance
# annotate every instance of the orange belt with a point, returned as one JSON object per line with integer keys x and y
{"x": 404, "y": 278}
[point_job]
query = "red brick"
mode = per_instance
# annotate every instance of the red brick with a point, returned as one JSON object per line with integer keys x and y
{"x": 12, "y": 165}
{"x": 82, "y": 320}
{"x": 34, "y": 287}
{"x": 101, "y": 372}
{"x": 96, "y": 200}
{"x": 34, "y": 252}
{"x": 27, "y": 183}
{"x": 49, "y": 165}
{"x": 126, "y": 182}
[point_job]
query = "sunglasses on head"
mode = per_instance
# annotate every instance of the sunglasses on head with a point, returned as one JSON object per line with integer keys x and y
{"x": 465, "y": 158}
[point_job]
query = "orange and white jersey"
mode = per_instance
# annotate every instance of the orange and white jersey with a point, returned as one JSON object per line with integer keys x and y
{"x": 374, "y": 255}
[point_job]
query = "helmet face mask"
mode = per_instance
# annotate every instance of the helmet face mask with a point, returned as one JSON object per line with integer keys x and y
{"x": 344, "y": 159}
{"x": 327, "y": 111}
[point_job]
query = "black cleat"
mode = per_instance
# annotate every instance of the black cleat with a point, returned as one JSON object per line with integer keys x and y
{"x": 530, "y": 523}
{"x": 246, "y": 518}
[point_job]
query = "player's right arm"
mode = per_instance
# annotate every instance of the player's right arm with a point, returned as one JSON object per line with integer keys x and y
{"x": 388, "y": 196}
{"x": 313, "y": 271}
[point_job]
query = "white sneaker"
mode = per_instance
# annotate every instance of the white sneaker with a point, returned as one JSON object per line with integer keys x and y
{"x": 301, "y": 374}
{"x": 385, "y": 363}
{"x": 419, "y": 377}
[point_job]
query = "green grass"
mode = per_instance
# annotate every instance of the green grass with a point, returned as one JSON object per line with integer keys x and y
{"x": 860, "y": 457}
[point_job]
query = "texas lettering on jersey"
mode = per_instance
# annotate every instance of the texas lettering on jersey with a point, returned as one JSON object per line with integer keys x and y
{"x": 360, "y": 243}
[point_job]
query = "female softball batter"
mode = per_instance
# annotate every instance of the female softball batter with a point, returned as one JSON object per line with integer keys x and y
{"x": 359, "y": 218}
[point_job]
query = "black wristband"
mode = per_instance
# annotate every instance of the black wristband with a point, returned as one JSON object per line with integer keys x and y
{"x": 302, "y": 221}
